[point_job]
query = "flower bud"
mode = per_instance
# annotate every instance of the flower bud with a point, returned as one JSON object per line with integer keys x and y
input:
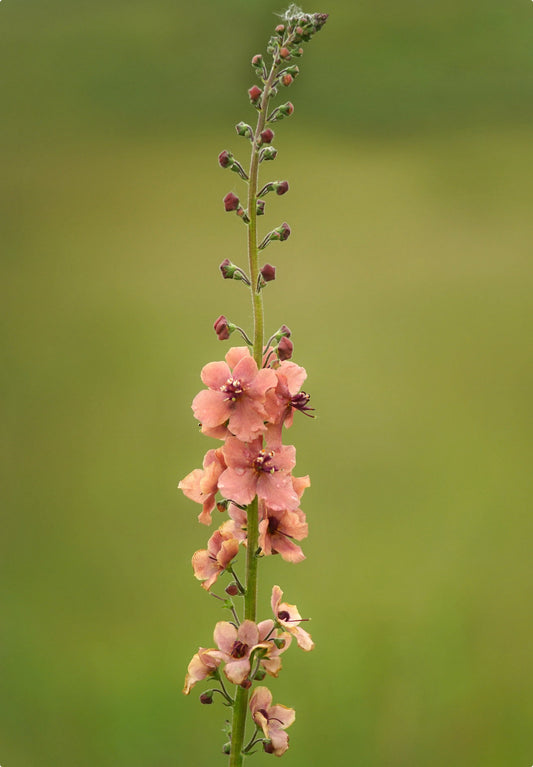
{"x": 285, "y": 349}
{"x": 260, "y": 209}
{"x": 268, "y": 748}
{"x": 243, "y": 214}
{"x": 246, "y": 684}
{"x": 284, "y": 331}
{"x": 222, "y": 505}
{"x": 232, "y": 589}
{"x": 284, "y": 231}
{"x": 227, "y": 269}
{"x": 225, "y": 159}
{"x": 267, "y": 135}
{"x": 255, "y": 94}
{"x": 282, "y": 187}
{"x": 284, "y": 53}
{"x": 226, "y": 748}
{"x": 260, "y": 675}
{"x": 286, "y": 109}
{"x": 268, "y": 272}
{"x": 206, "y": 697}
{"x": 286, "y": 79}
{"x": 280, "y": 28}
{"x": 243, "y": 129}
{"x": 268, "y": 153}
{"x": 231, "y": 202}
{"x": 257, "y": 61}
{"x": 223, "y": 328}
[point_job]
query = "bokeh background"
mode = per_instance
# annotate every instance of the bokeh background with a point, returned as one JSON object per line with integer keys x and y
{"x": 407, "y": 283}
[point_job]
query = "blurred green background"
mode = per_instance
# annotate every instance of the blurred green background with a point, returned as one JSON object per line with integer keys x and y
{"x": 407, "y": 283}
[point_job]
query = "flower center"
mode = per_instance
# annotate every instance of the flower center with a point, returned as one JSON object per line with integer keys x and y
{"x": 273, "y": 524}
{"x": 232, "y": 389}
{"x": 300, "y": 402}
{"x": 263, "y": 462}
{"x": 283, "y": 615}
{"x": 264, "y": 712}
{"x": 239, "y": 649}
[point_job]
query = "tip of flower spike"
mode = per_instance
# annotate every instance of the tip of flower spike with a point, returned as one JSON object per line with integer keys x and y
{"x": 221, "y": 327}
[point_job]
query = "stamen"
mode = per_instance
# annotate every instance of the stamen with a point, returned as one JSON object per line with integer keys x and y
{"x": 232, "y": 388}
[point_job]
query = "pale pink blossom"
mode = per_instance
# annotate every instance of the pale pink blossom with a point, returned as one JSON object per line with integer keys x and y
{"x": 273, "y": 720}
{"x": 235, "y": 398}
{"x": 209, "y": 563}
{"x": 289, "y": 619}
{"x": 253, "y": 470}
{"x": 279, "y": 529}
{"x": 282, "y": 401}
{"x": 237, "y": 644}
{"x": 201, "y": 485}
{"x": 202, "y": 665}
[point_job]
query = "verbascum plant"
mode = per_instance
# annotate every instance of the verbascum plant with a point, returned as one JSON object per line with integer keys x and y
{"x": 250, "y": 399}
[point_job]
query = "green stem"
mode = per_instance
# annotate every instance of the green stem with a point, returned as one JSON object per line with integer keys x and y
{"x": 250, "y": 597}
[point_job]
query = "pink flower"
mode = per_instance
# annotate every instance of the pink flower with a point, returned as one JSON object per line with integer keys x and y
{"x": 273, "y": 720}
{"x": 282, "y": 401}
{"x": 201, "y": 485}
{"x": 279, "y": 529}
{"x": 237, "y": 644}
{"x": 235, "y": 397}
{"x": 254, "y": 470}
{"x": 209, "y": 563}
{"x": 202, "y": 665}
{"x": 289, "y": 618}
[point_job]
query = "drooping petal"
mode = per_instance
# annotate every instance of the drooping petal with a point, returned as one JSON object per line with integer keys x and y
{"x": 211, "y": 408}
{"x": 237, "y": 670}
{"x": 190, "y": 485}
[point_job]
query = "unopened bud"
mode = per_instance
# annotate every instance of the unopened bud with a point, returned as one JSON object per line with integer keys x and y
{"x": 232, "y": 589}
{"x": 260, "y": 208}
{"x": 223, "y": 328}
{"x": 206, "y": 697}
{"x": 243, "y": 129}
{"x": 227, "y": 269}
{"x": 225, "y": 159}
{"x": 283, "y": 332}
{"x": 255, "y": 94}
{"x": 284, "y": 53}
{"x": 257, "y": 61}
{"x": 285, "y": 349}
{"x": 286, "y": 80}
{"x": 226, "y": 748}
{"x": 268, "y": 153}
{"x": 268, "y": 748}
{"x": 243, "y": 214}
{"x": 246, "y": 684}
{"x": 268, "y": 272}
{"x": 286, "y": 109}
{"x": 279, "y": 29}
{"x": 222, "y": 505}
{"x": 231, "y": 202}
{"x": 267, "y": 135}
{"x": 284, "y": 231}
{"x": 260, "y": 675}
{"x": 282, "y": 187}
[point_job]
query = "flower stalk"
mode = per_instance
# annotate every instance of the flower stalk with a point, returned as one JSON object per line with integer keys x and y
{"x": 250, "y": 399}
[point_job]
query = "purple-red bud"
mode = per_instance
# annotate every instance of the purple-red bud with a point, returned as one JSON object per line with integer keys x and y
{"x": 286, "y": 79}
{"x": 284, "y": 53}
{"x": 287, "y": 109}
{"x": 285, "y": 349}
{"x": 284, "y": 231}
{"x": 280, "y": 28}
{"x": 285, "y": 331}
{"x": 267, "y": 135}
{"x": 268, "y": 272}
{"x": 225, "y": 159}
{"x": 282, "y": 187}
{"x": 221, "y": 328}
{"x": 232, "y": 589}
{"x": 246, "y": 684}
{"x": 206, "y": 697}
{"x": 257, "y": 60}
{"x": 268, "y": 748}
{"x": 227, "y": 269}
{"x": 255, "y": 93}
{"x": 231, "y": 202}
